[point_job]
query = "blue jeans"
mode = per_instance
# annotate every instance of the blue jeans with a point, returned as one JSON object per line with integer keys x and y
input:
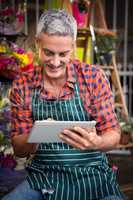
{"x": 24, "y": 192}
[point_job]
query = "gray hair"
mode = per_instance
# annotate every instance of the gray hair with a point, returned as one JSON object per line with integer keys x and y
{"x": 57, "y": 22}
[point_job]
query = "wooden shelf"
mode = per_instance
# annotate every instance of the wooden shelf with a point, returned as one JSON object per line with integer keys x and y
{"x": 129, "y": 145}
{"x": 99, "y": 31}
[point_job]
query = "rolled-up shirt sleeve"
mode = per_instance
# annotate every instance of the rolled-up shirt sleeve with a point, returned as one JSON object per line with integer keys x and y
{"x": 21, "y": 113}
{"x": 97, "y": 97}
{"x": 102, "y": 102}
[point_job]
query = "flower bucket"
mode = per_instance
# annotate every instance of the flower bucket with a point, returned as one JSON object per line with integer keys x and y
{"x": 81, "y": 17}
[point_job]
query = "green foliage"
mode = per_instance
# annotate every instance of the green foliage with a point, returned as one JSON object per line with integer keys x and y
{"x": 4, "y": 142}
{"x": 126, "y": 125}
{"x": 106, "y": 43}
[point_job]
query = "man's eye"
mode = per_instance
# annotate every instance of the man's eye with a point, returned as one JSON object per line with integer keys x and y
{"x": 48, "y": 53}
{"x": 63, "y": 54}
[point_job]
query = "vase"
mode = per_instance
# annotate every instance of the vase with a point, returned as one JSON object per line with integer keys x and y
{"x": 132, "y": 136}
{"x": 125, "y": 137}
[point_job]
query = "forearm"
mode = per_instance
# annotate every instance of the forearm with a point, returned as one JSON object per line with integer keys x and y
{"x": 21, "y": 147}
{"x": 109, "y": 139}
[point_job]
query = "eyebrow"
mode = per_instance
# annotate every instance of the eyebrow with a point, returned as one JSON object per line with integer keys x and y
{"x": 45, "y": 49}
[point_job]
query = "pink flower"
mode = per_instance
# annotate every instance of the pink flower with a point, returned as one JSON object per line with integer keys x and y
{"x": 20, "y": 17}
{"x": 114, "y": 168}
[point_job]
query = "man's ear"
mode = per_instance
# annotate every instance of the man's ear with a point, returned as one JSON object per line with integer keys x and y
{"x": 37, "y": 43}
{"x": 74, "y": 49}
{"x": 36, "y": 55}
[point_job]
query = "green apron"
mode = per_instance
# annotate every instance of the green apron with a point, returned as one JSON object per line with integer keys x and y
{"x": 61, "y": 171}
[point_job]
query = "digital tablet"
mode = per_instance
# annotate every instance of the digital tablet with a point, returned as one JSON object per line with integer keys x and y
{"x": 45, "y": 131}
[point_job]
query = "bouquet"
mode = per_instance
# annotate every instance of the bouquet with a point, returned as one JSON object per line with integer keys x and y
{"x": 13, "y": 59}
{"x": 11, "y": 19}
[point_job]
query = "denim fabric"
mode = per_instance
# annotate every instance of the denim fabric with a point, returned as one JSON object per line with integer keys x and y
{"x": 113, "y": 198}
{"x": 24, "y": 192}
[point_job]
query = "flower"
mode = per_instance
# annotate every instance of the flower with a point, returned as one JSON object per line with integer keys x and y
{"x": 14, "y": 58}
{"x": 114, "y": 167}
{"x": 11, "y": 20}
{"x": 23, "y": 58}
{"x": 5, "y": 143}
{"x": 7, "y": 161}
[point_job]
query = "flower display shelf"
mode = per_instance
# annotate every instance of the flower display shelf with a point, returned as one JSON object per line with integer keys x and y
{"x": 13, "y": 37}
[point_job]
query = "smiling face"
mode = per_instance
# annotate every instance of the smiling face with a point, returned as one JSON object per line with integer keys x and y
{"x": 54, "y": 53}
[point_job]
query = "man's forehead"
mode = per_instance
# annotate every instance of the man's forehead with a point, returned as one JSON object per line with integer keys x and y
{"x": 54, "y": 52}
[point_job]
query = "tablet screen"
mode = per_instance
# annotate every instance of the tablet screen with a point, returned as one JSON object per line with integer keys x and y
{"x": 45, "y": 131}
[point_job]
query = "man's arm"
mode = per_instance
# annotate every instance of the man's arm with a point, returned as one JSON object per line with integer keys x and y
{"x": 21, "y": 147}
{"x": 89, "y": 139}
{"x": 98, "y": 101}
{"x": 110, "y": 139}
{"x": 21, "y": 120}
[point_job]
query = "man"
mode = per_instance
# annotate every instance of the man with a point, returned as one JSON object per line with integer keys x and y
{"x": 63, "y": 89}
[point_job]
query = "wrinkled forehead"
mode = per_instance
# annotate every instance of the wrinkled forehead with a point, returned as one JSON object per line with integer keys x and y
{"x": 48, "y": 40}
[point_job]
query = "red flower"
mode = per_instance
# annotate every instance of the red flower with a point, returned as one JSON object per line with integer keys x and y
{"x": 7, "y": 12}
{"x": 7, "y": 161}
{"x": 20, "y": 17}
{"x": 27, "y": 68}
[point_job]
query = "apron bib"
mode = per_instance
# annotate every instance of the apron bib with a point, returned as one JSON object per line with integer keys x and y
{"x": 61, "y": 171}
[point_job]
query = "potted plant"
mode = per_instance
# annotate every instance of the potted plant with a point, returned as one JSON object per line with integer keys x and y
{"x": 126, "y": 125}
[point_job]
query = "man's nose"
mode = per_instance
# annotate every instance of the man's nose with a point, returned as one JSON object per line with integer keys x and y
{"x": 55, "y": 60}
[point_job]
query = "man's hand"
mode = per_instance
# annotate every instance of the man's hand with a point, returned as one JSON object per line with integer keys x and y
{"x": 81, "y": 138}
